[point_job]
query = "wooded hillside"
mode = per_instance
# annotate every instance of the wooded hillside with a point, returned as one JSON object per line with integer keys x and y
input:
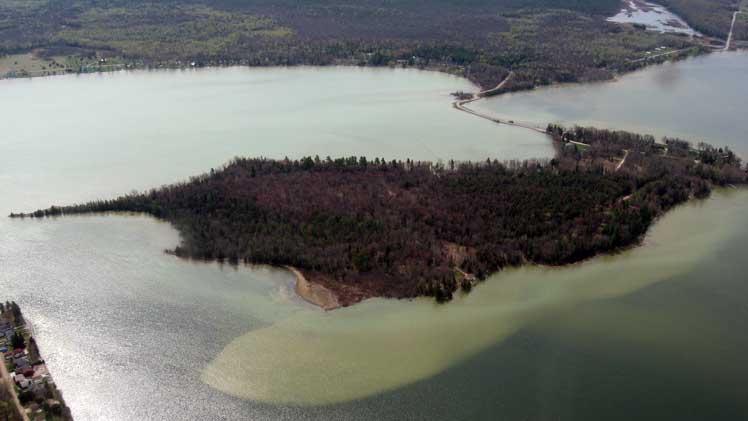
{"x": 542, "y": 41}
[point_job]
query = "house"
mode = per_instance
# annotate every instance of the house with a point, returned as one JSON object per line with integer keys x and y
{"x": 22, "y": 381}
{"x": 40, "y": 371}
{"x": 38, "y": 389}
{"x": 24, "y": 370}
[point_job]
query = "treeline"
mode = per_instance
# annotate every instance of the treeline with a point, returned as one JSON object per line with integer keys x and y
{"x": 8, "y": 409}
{"x": 542, "y": 41}
{"x": 368, "y": 227}
{"x": 740, "y": 32}
{"x": 12, "y": 313}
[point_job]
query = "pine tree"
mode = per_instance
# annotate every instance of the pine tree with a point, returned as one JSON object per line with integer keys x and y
{"x": 17, "y": 341}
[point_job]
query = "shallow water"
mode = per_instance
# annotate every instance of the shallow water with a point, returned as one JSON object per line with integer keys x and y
{"x": 380, "y": 345}
{"x": 132, "y": 333}
{"x": 653, "y": 16}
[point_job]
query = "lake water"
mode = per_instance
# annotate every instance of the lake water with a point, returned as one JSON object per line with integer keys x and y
{"x": 657, "y": 332}
{"x": 701, "y": 98}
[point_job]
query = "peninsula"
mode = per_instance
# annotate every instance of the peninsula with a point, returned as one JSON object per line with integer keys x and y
{"x": 354, "y": 228}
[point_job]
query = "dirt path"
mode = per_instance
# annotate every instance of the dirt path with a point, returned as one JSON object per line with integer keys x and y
{"x": 625, "y": 155}
{"x": 732, "y": 27}
{"x": 498, "y": 87}
{"x": 12, "y": 390}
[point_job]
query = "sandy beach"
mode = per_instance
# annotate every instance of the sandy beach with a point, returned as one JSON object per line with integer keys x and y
{"x": 314, "y": 293}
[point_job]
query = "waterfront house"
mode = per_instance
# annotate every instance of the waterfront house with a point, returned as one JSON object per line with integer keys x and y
{"x": 26, "y": 371}
{"x": 22, "y": 381}
{"x": 38, "y": 389}
{"x": 40, "y": 371}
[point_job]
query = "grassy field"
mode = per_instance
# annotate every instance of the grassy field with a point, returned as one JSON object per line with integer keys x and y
{"x": 27, "y": 64}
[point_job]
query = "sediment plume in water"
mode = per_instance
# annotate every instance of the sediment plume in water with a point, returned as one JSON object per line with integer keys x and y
{"x": 316, "y": 357}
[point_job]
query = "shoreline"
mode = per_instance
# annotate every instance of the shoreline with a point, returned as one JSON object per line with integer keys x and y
{"x": 30, "y": 386}
{"x": 313, "y": 292}
{"x": 482, "y": 94}
{"x": 326, "y": 299}
{"x": 452, "y": 70}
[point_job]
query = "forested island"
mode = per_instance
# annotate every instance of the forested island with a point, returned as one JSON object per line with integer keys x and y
{"x": 540, "y": 41}
{"x": 360, "y": 227}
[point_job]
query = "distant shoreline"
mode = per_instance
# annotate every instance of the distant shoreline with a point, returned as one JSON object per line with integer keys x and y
{"x": 452, "y": 70}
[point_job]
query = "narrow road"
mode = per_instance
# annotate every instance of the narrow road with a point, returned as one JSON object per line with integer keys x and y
{"x": 498, "y": 87}
{"x": 661, "y": 54}
{"x": 625, "y": 155}
{"x": 460, "y": 105}
{"x": 9, "y": 383}
{"x": 732, "y": 27}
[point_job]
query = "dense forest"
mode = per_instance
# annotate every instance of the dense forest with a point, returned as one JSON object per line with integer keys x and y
{"x": 740, "y": 33}
{"x": 364, "y": 227}
{"x": 710, "y": 17}
{"x": 542, "y": 41}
